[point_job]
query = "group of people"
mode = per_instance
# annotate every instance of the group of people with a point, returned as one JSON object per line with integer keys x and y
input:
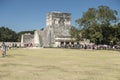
{"x": 3, "y": 49}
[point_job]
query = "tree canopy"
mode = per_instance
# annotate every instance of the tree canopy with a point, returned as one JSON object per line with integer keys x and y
{"x": 100, "y": 15}
{"x": 7, "y": 34}
{"x": 100, "y": 25}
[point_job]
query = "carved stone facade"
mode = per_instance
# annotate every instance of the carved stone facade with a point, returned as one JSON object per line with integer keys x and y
{"x": 56, "y": 32}
{"x": 27, "y": 39}
{"x": 57, "y": 26}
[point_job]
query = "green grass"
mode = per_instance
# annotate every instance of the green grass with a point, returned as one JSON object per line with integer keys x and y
{"x": 60, "y": 64}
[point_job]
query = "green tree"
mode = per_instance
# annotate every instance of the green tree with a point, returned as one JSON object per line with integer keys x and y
{"x": 96, "y": 25}
{"x": 75, "y": 33}
{"x": 116, "y": 38}
{"x": 7, "y": 35}
{"x": 93, "y": 33}
{"x": 87, "y": 19}
{"x": 100, "y": 15}
{"x": 105, "y": 15}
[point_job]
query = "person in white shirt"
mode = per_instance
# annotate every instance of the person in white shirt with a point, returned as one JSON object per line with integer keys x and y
{"x": 3, "y": 48}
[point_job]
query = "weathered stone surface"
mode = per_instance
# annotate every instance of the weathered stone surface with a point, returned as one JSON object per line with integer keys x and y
{"x": 36, "y": 39}
{"x": 57, "y": 27}
{"x": 27, "y": 39}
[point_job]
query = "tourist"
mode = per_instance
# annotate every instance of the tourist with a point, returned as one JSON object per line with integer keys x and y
{"x": 3, "y": 49}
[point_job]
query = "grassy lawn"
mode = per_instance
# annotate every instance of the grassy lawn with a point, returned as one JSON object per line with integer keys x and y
{"x": 60, "y": 64}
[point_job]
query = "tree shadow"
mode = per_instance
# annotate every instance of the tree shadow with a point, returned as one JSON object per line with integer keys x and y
{"x": 13, "y": 55}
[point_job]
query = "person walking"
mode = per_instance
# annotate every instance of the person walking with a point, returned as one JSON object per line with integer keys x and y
{"x": 3, "y": 49}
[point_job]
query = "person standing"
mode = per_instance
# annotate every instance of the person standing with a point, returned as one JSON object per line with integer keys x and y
{"x": 3, "y": 48}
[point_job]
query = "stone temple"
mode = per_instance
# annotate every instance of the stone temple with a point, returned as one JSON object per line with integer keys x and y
{"x": 55, "y": 34}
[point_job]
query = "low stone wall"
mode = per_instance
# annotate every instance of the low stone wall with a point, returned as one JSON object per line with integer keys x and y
{"x": 12, "y": 44}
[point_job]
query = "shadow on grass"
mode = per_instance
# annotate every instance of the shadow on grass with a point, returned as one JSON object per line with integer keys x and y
{"x": 118, "y": 50}
{"x": 50, "y": 67}
{"x": 14, "y": 64}
{"x": 4, "y": 74}
{"x": 13, "y": 55}
{"x": 9, "y": 56}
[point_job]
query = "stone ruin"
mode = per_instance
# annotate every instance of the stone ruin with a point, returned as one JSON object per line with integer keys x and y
{"x": 55, "y": 34}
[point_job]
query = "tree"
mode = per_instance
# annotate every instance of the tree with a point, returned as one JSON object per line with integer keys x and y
{"x": 107, "y": 32}
{"x": 101, "y": 15}
{"x": 105, "y": 15}
{"x": 97, "y": 25}
{"x": 88, "y": 18}
{"x": 93, "y": 33}
{"x": 116, "y": 39}
{"x": 75, "y": 33}
{"x": 7, "y": 35}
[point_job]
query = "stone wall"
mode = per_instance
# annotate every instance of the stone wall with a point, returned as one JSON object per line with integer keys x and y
{"x": 12, "y": 44}
{"x": 57, "y": 25}
{"x": 27, "y": 40}
{"x": 36, "y": 38}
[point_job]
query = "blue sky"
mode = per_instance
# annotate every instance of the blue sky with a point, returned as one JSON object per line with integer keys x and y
{"x": 21, "y": 15}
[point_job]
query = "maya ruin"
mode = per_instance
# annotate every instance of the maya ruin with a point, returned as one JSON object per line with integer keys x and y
{"x": 55, "y": 34}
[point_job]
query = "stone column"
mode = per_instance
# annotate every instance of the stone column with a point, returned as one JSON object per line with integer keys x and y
{"x": 64, "y": 43}
{"x": 57, "y": 44}
{"x": 22, "y": 43}
{"x": 36, "y": 39}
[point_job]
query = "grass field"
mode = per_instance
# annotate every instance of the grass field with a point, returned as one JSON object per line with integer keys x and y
{"x": 60, "y": 64}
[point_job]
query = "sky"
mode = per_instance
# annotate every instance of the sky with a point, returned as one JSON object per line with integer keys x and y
{"x": 25, "y": 15}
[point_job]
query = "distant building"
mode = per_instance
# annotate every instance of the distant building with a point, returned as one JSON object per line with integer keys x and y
{"x": 55, "y": 34}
